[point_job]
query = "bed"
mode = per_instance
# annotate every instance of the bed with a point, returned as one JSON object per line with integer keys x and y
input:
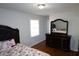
{"x": 10, "y": 35}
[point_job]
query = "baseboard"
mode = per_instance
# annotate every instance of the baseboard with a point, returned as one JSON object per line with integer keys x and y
{"x": 75, "y": 50}
{"x": 37, "y": 43}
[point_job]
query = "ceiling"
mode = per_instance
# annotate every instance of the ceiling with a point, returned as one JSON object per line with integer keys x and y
{"x": 50, "y": 7}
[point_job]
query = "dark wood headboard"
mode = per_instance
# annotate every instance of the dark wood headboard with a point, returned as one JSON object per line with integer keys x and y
{"x": 7, "y": 33}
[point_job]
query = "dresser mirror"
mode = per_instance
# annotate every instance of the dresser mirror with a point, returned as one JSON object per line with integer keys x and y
{"x": 59, "y": 26}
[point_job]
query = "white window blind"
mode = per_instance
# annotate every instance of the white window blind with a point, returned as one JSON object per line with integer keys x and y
{"x": 34, "y": 24}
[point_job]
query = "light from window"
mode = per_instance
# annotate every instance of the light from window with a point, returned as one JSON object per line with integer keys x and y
{"x": 34, "y": 24}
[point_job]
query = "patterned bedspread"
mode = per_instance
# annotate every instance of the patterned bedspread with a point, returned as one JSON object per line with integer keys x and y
{"x": 22, "y": 50}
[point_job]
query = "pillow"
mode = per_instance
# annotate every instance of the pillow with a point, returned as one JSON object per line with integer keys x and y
{"x": 0, "y": 45}
{"x": 12, "y": 42}
{"x": 8, "y": 44}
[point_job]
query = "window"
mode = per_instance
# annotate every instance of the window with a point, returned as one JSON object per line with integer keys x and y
{"x": 34, "y": 24}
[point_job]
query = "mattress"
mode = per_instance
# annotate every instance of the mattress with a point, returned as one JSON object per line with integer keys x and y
{"x": 22, "y": 50}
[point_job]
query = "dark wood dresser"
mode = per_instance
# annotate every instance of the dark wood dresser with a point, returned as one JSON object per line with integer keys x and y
{"x": 58, "y": 40}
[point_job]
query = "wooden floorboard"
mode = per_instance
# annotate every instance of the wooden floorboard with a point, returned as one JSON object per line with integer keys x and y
{"x": 52, "y": 51}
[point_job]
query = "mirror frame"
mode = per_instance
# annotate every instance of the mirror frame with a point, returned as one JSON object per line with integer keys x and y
{"x": 62, "y": 21}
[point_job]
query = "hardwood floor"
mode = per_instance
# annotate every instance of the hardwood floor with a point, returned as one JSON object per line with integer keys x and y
{"x": 52, "y": 51}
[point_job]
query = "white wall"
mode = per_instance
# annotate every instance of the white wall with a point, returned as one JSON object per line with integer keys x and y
{"x": 21, "y": 21}
{"x": 73, "y": 18}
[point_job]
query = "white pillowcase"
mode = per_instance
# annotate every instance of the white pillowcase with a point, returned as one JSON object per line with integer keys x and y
{"x": 12, "y": 42}
{"x": 6, "y": 45}
{"x": 0, "y": 45}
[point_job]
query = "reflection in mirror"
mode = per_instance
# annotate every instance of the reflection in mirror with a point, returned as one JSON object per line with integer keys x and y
{"x": 59, "y": 26}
